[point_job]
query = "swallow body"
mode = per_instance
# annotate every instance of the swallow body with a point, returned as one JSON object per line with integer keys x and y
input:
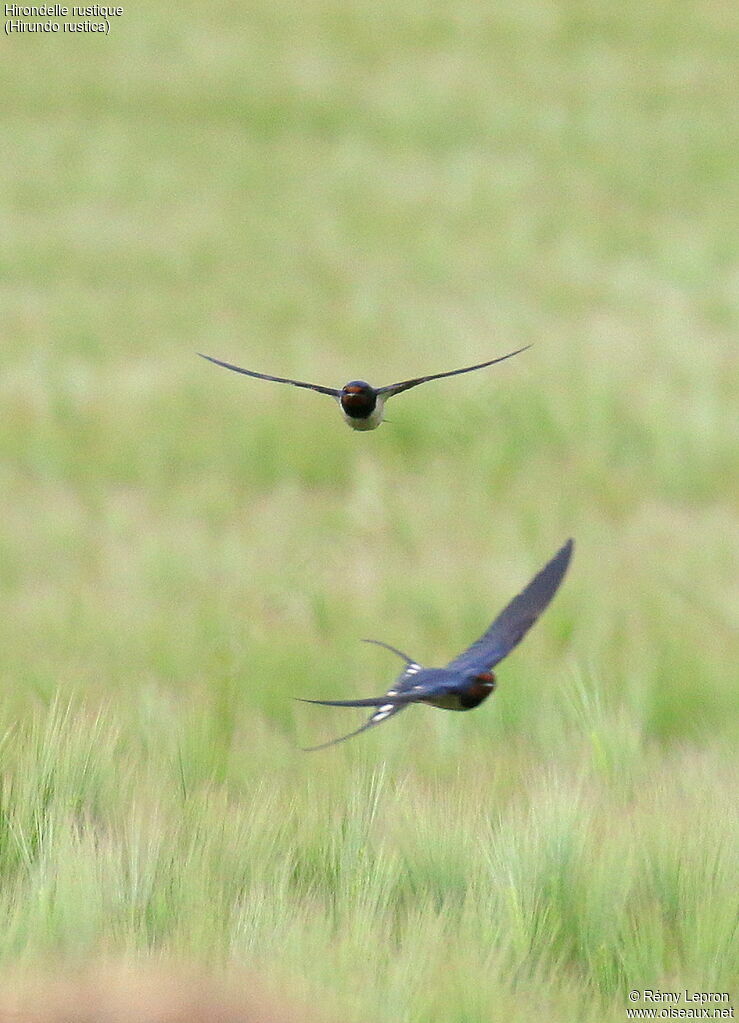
{"x": 361, "y": 404}
{"x": 468, "y": 679}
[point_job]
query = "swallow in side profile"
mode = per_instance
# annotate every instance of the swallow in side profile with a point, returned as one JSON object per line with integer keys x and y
{"x": 361, "y": 404}
{"x": 468, "y": 679}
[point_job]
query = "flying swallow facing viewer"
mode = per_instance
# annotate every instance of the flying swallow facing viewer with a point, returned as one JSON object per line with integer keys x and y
{"x": 468, "y": 679}
{"x": 361, "y": 404}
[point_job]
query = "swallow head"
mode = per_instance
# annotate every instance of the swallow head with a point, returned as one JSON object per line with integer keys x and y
{"x": 358, "y": 399}
{"x": 477, "y": 689}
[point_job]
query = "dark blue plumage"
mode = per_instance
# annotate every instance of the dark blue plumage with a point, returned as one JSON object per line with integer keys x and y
{"x": 468, "y": 679}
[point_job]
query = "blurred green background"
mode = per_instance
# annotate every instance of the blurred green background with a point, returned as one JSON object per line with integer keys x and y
{"x": 331, "y": 191}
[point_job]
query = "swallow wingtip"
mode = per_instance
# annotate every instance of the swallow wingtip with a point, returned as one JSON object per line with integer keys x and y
{"x": 565, "y": 552}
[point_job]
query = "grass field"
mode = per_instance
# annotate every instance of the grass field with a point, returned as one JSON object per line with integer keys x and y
{"x": 328, "y": 191}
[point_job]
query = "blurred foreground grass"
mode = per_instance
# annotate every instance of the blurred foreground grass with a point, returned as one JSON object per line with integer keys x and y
{"x": 329, "y": 192}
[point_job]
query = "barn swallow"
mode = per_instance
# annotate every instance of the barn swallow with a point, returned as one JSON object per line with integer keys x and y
{"x": 469, "y": 678}
{"x": 361, "y": 404}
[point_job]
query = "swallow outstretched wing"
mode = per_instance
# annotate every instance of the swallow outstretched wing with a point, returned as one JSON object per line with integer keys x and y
{"x": 265, "y": 376}
{"x": 516, "y": 619}
{"x": 405, "y": 385}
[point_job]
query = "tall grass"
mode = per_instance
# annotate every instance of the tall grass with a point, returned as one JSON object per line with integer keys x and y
{"x": 333, "y": 191}
{"x": 522, "y": 879}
